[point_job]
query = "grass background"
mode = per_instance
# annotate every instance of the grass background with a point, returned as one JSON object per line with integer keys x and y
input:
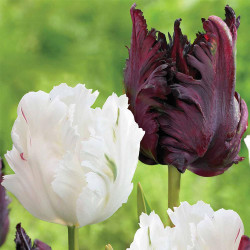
{"x": 44, "y": 43}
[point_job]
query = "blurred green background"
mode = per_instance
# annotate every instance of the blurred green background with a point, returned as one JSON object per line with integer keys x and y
{"x": 44, "y": 43}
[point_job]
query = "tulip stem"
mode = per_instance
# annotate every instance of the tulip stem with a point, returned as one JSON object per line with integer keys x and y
{"x": 73, "y": 238}
{"x": 174, "y": 182}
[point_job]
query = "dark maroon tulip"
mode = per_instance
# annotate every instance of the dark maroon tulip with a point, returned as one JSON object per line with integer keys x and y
{"x": 23, "y": 241}
{"x": 183, "y": 95}
{"x": 4, "y": 213}
{"x": 244, "y": 243}
{"x": 39, "y": 245}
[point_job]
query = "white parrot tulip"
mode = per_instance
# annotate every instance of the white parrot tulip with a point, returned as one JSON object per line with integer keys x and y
{"x": 73, "y": 164}
{"x": 197, "y": 227}
{"x": 152, "y": 234}
{"x": 247, "y": 142}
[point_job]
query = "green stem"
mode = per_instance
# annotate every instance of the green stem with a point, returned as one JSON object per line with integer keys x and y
{"x": 174, "y": 182}
{"x": 73, "y": 238}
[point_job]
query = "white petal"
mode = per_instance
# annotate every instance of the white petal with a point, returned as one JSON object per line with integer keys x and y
{"x": 184, "y": 216}
{"x": 112, "y": 153}
{"x": 38, "y": 134}
{"x": 92, "y": 200}
{"x": 77, "y": 95}
{"x": 247, "y": 141}
{"x": 223, "y": 231}
{"x": 198, "y": 227}
{"x": 68, "y": 183}
{"x": 186, "y": 213}
{"x": 152, "y": 234}
{"x": 79, "y": 100}
{"x": 141, "y": 240}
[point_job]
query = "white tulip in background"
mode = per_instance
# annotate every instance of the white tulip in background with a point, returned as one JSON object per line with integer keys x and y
{"x": 73, "y": 164}
{"x": 197, "y": 227}
{"x": 247, "y": 141}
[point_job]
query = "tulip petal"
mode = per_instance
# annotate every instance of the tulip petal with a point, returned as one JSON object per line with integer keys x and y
{"x": 244, "y": 243}
{"x": 199, "y": 227}
{"x": 232, "y": 22}
{"x": 186, "y": 214}
{"x": 178, "y": 48}
{"x": 105, "y": 155}
{"x": 68, "y": 183}
{"x": 145, "y": 80}
{"x": 222, "y": 231}
{"x": 151, "y": 234}
{"x": 39, "y": 245}
{"x": 23, "y": 241}
{"x": 247, "y": 142}
{"x": 199, "y": 98}
{"x": 79, "y": 100}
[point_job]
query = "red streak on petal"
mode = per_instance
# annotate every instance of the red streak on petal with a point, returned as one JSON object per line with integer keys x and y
{"x": 23, "y": 115}
{"x": 206, "y": 37}
{"x": 237, "y": 235}
{"x": 21, "y": 155}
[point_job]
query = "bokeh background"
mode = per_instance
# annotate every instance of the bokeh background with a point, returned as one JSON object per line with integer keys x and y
{"x": 44, "y": 43}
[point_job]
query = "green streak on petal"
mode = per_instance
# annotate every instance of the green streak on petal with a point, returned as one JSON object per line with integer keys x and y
{"x": 114, "y": 135}
{"x": 149, "y": 239}
{"x": 112, "y": 166}
{"x": 118, "y": 116}
{"x": 116, "y": 125}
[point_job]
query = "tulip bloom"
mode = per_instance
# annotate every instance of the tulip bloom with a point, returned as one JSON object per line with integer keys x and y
{"x": 23, "y": 241}
{"x": 4, "y": 213}
{"x": 183, "y": 95}
{"x": 247, "y": 142}
{"x": 196, "y": 227}
{"x": 244, "y": 243}
{"x": 73, "y": 164}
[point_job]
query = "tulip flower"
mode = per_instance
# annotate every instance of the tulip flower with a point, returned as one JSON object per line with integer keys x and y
{"x": 183, "y": 95}
{"x": 4, "y": 213}
{"x": 247, "y": 142}
{"x": 23, "y": 241}
{"x": 73, "y": 164}
{"x": 244, "y": 243}
{"x": 196, "y": 227}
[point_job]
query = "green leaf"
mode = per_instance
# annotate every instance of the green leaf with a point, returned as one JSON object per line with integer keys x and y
{"x": 142, "y": 204}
